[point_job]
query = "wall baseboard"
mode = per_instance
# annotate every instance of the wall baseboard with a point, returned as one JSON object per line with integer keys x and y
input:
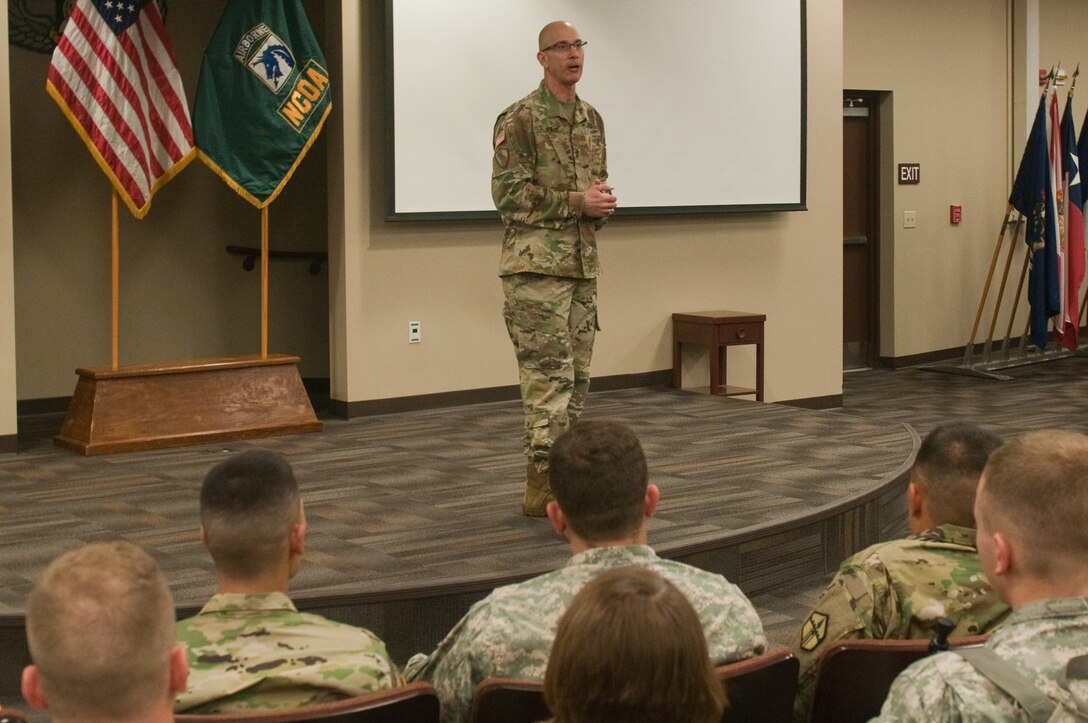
{"x": 318, "y": 390}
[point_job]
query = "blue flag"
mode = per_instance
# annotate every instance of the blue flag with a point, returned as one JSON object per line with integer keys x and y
{"x": 1031, "y": 196}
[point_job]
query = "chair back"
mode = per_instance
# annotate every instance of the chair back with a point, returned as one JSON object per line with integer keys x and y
{"x": 760, "y": 688}
{"x": 411, "y": 703}
{"x": 10, "y": 715}
{"x": 853, "y": 677}
{"x": 509, "y": 700}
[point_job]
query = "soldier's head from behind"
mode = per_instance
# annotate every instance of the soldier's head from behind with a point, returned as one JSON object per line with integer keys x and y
{"x": 631, "y": 647}
{"x": 1031, "y": 510}
{"x": 598, "y": 474}
{"x": 945, "y": 476}
{"x": 251, "y": 516}
{"x": 100, "y": 627}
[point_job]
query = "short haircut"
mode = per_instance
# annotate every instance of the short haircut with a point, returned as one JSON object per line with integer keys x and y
{"x": 248, "y": 505}
{"x": 100, "y": 627}
{"x": 631, "y": 648}
{"x": 948, "y": 465}
{"x": 597, "y": 472}
{"x": 1036, "y": 491}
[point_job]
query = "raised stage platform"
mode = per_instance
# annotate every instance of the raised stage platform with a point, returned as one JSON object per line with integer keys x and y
{"x": 414, "y": 516}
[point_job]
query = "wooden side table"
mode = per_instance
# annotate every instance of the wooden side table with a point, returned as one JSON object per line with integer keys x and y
{"x": 717, "y": 330}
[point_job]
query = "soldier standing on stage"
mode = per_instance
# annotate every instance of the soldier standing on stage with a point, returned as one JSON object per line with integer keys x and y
{"x": 548, "y": 183}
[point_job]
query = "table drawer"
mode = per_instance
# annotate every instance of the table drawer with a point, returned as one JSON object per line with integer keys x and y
{"x": 740, "y": 333}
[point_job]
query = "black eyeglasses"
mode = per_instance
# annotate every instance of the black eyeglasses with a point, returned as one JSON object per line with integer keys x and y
{"x": 563, "y": 46}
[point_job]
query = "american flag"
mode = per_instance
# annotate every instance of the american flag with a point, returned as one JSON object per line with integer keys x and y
{"x": 115, "y": 76}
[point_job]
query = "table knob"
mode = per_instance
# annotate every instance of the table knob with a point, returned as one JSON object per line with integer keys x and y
{"x": 741, "y": 333}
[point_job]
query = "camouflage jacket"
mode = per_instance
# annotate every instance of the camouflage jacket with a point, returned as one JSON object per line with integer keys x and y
{"x": 509, "y": 633}
{"x": 897, "y": 590}
{"x": 543, "y": 164}
{"x": 1038, "y": 640}
{"x": 256, "y": 652}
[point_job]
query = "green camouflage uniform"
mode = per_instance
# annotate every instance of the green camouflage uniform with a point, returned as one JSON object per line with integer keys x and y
{"x": 546, "y": 155}
{"x": 897, "y": 590}
{"x": 257, "y": 652}
{"x": 510, "y": 632}
{"x": 1038, "y": 640}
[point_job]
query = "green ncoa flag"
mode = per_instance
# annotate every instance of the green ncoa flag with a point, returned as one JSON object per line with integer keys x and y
{"x": 263, "y": 96}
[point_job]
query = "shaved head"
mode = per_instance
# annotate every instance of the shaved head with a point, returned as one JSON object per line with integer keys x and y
{"x": 551, "y": 33}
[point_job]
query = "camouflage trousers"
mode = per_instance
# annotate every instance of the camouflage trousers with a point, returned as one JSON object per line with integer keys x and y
{"x": 552, "y": 321}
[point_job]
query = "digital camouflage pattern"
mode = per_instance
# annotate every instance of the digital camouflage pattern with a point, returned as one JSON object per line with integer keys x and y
{"x": 510, "y": 632}
{"x": 257, "y": 652}
{"x": 897, "y": 590}
{"x": 1038, "y": 640}
{"x": 544, "y": 160}
{"x": 546, "y": 155}
{"x": 552, "y": 322}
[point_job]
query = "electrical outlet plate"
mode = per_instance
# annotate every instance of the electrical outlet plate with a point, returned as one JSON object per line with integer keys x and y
{"x": 910, "y": 219}
{"x": 415, "y": 334}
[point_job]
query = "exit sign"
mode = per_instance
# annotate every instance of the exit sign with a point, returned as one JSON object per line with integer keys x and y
{"x": 910, "y": 173}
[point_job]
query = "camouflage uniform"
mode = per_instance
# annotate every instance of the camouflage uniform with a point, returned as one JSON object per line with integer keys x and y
{"x": 546, "y": 155}
{"x": 897, "y": 590}
{"x": 256, "y": 652}
{"x": 1038, "y": 640}
{"x": 510, "y": 632}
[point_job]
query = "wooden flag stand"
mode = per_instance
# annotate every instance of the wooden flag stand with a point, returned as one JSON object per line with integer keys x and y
{"x": 172, "y": 404}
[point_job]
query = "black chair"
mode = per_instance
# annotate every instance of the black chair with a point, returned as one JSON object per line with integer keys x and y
{"x": 10, "y": 715}
{"x": 853, "y": 677}
{"x": 411, "y": 703}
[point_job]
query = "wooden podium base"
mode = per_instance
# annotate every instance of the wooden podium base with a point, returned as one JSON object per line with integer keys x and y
{"x": 173, "y": 404}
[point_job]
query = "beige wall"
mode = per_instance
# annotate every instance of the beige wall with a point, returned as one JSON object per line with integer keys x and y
{"x": 945, "y": 65}
{"x": 182, "y": 296}
{"x": 786, "y": 265}
{"x": 1062, "y": 39}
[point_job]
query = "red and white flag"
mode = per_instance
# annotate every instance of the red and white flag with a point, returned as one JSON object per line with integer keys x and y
{"x": 115, "y": 76}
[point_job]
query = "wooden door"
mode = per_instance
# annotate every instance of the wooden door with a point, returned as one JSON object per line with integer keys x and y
{"x": 860, "y": 251}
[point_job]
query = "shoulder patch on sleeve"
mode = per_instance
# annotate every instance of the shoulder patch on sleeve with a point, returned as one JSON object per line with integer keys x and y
{"x": 814, "y": 631}
{"x": 500, "y": 137}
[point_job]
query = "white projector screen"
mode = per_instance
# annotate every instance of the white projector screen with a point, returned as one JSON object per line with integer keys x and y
{"x": 703, "y": 100}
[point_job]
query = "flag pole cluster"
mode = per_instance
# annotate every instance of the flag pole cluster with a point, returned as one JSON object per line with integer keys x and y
{"x": 1048, "y": 193}
{"x": 263, "y": 97}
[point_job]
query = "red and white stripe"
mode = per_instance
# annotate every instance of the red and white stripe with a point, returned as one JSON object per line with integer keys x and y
{"x": 123, "y": 94}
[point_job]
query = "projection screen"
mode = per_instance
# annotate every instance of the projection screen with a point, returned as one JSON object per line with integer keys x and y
{"x": 703, "y": 100}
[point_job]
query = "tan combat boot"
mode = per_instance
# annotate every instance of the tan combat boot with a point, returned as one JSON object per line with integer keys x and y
{"x": 537, "y": 493}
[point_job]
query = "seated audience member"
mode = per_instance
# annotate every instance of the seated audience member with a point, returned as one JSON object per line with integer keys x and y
{"x": 100, "y": 627}
{"x": 898, "y": 589}
{"x": 249, "y": 647}
{"x": 1032, "y": 514}
{"x": 631, "y": 648}
{"x": 602, "y": 501}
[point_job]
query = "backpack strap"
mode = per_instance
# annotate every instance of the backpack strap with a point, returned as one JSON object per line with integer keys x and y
{"x": 1037, "y": 704}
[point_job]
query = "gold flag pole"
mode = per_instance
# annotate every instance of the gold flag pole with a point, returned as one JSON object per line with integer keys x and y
{"x": 115, "y": 267}
{"x": 264, "y": 283}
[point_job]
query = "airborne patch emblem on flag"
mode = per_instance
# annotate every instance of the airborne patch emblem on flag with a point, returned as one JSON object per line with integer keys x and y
{"x": 813, "y": 631}
{"x": 266, "y": 56}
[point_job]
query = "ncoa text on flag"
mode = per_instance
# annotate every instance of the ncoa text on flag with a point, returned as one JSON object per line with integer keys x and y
{"x": 263, "y": 96}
